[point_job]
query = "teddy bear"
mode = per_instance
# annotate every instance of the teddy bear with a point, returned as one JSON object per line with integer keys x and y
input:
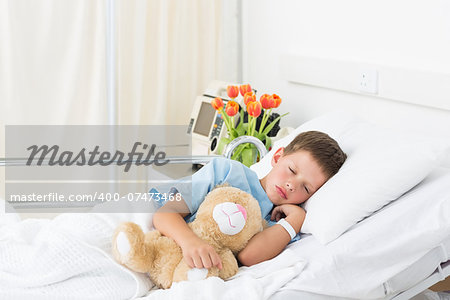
{"x": 226, "y": 219}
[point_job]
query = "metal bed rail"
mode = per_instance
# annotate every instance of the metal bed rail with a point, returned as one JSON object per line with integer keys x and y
{"x": 195, "y": 159}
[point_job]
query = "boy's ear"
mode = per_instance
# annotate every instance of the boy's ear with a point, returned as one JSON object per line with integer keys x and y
{"x": 277, "y": 155}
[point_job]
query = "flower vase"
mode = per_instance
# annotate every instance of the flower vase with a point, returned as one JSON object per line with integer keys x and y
{"x": 247, "y": 154}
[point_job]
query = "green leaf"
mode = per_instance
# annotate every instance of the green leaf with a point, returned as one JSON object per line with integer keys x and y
{"x": 241, "y": 116}
{"x": 247, "y": 157}
{"x": 245, "y": 126}
{"x": 237, "y": 152}
{"x": 234, "y": 134}
{"x": 240, "y": 128}
{"x": 241, "y": 120}
{"x": 270, "y": 126}
{"x": 261, "y": 136}
{"x": 223, "y": 142}
{"x": 268, "y": 142}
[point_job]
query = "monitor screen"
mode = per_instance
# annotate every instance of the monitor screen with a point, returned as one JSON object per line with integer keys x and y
{"x": 204, "y": 119}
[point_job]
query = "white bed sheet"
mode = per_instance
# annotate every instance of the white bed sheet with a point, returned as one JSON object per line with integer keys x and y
{"x": 417, "y": 272}
{"x": 370, "y": 259}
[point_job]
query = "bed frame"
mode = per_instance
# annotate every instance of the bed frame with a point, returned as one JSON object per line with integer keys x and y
{"x": 441, "y": 273}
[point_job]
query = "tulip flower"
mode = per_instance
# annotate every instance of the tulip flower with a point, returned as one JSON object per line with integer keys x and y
{"x": 249, "y": 97}
{"x": 276, "y": 101}
{"x": 232, "y": 91}
{"x": 267, "y": 101}
{"x": 245, "y": 88}
{"x": 232, "y": 108}
{"x": 217, "y": 103}
{"x": 254, "y": 109}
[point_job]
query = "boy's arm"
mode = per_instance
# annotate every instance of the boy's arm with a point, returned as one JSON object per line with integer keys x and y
{"x": 271, "y": 241}
{"x": 196, "y": 252}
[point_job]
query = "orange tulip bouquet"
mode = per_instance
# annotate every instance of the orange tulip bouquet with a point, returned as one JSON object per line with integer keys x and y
{"x": 246, "y": 153}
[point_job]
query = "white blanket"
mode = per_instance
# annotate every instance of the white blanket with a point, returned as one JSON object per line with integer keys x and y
{"x": 257, "y": 282}
{"x": 69, "y": 257}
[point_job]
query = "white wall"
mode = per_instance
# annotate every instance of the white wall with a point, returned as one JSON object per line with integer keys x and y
{"x": 414, "y": 35}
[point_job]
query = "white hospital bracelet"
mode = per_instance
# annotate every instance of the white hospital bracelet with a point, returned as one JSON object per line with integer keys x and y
{"x": 288, "y": 227}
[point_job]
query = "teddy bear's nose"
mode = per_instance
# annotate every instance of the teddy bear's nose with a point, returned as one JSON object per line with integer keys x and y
{"x": 242, "y": 210}
{"x": 230, "y": 217}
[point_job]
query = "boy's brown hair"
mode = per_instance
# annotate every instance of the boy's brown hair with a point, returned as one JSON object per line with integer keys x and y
{"x": 324, "y": 149}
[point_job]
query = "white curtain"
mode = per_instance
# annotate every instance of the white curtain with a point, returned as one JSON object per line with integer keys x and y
{"x": 53, "y": 60}
{"x": 168, "y": 52}
{"x": 52, "y": 64}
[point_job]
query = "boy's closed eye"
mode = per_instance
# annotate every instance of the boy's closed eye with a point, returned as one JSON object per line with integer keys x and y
{"x": 306, "y": 189}
{"x": 293, "y": 171}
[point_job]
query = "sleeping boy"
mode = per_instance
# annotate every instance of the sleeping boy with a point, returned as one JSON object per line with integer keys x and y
{"x": 298, "y": 171}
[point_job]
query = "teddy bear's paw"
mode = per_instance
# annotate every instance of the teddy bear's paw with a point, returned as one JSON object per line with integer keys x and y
{"x": 122, "y": 244}
{"x": 197, "y": 274}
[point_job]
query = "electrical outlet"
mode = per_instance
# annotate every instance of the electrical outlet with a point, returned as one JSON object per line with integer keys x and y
{"x": 368, "y": 81}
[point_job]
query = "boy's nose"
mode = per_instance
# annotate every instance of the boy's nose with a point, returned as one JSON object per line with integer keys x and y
{"x": 290, "y": 186}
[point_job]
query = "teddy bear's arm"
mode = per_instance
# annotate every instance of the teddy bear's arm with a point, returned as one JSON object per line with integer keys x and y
{"x": 229, "y": 264}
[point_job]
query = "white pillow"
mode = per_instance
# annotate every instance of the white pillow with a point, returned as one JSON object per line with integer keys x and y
{"x": 380, "y": 167}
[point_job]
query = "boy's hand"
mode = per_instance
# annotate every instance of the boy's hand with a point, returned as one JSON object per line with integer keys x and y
{"x": 199, "y": 254}
{"x": 294, "y": 214}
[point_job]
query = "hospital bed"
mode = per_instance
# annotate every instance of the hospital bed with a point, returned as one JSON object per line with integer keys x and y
{"x": 329, "y": 265}
{"x": 393, "y": 253}
{"x": 396, "y": 252}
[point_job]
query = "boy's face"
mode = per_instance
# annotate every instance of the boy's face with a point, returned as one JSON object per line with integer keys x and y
{"x": 293, "y": 178}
